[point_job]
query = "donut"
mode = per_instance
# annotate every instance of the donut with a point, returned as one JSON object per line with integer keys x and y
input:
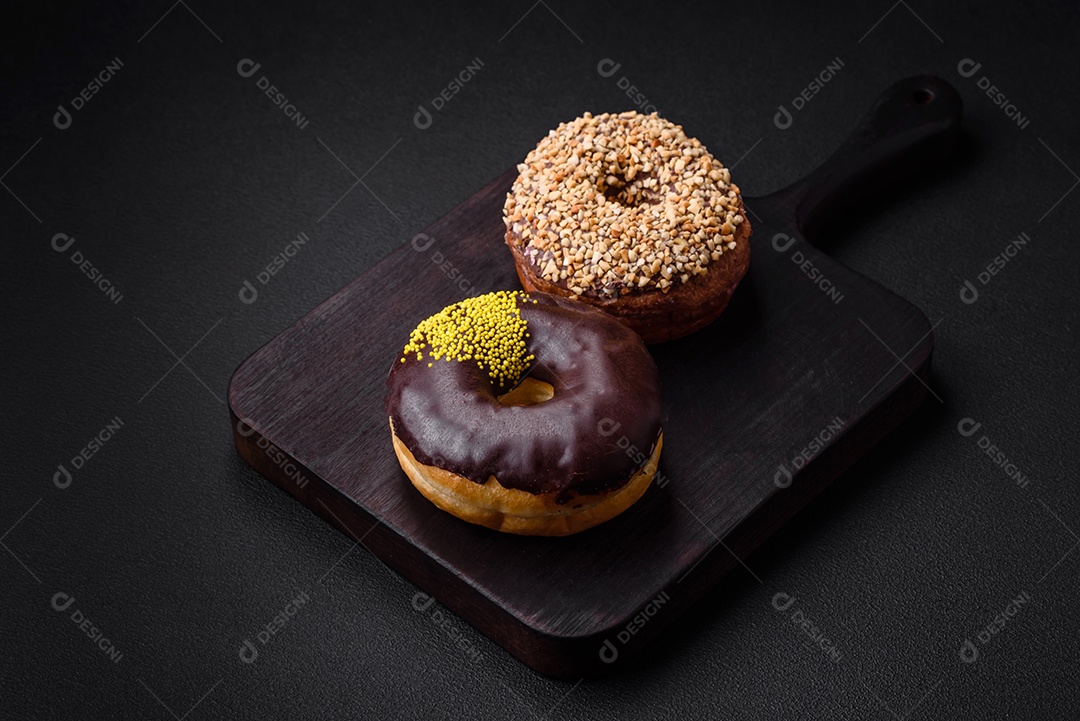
{"x": 628, "y": 214}
{"x": 526, "y": 413}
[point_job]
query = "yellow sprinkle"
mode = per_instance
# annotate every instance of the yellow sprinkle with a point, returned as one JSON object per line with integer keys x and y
{"x": 487, "y": 329}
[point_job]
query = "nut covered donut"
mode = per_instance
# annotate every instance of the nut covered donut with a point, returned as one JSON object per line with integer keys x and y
{"x": 514, "y": 411}
{"x": 627, "y": 213}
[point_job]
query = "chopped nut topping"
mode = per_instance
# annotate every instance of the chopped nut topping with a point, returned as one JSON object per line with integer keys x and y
{"x": 611, "y": 203}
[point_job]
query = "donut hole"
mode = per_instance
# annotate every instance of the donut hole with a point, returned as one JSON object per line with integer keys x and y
{"x": 617, "y": 189}
{"x": 529, "y": 392}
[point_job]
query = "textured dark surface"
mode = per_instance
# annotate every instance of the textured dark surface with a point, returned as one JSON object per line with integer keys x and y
{"x": 179, "y": 180}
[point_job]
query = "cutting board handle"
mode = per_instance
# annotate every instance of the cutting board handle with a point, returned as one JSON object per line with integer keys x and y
{"x": 911, "y": 126}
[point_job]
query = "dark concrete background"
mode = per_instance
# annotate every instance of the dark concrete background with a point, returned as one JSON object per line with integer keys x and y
{"x": 179, "y": 180}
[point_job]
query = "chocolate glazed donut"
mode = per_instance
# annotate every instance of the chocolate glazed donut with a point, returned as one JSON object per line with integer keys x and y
{"x": 544, "y": 462}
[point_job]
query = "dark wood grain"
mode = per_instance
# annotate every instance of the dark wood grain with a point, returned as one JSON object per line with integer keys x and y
{"x": 743, "y": 400}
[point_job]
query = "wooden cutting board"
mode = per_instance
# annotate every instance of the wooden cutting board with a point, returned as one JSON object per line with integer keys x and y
{"x": 810, "y": 365}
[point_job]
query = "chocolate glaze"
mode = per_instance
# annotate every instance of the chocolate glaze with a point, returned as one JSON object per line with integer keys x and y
{"x": 607, "y": 400}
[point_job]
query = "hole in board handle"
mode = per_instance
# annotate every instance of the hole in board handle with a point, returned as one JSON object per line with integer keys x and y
{"x": 922, "y": 96}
